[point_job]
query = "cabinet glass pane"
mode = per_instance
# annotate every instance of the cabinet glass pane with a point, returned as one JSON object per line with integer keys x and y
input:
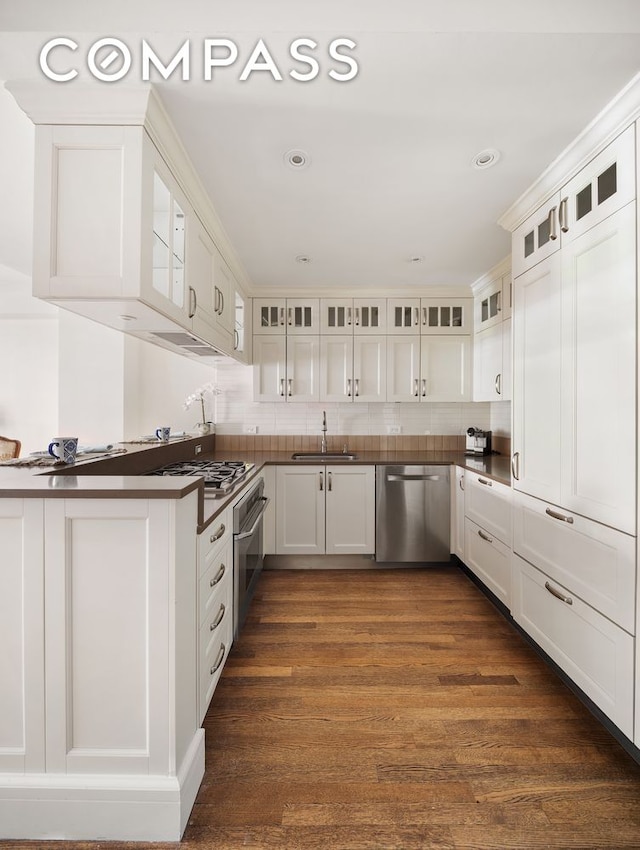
{"x": 397, "y": 322}
{"x": 456, "y": 317}
{"x": 238, "y": 342}
{"x": 269, "y": 317}
{"x": 364, "y": 311}
{"x": 307, "y": 317}
{"x": 161, "y": 237}
{"x": 433, "y": 317}
{"x": 583, "y": 202}
{"x": 445, "y": 317}
{"x": 494, "y": 304}
{"x": 484, "y": 309}
{"x": 341, "y": 317}
{"x": 407, "y": 317}
{"x": 331, "y": 317}
{"x": 607, "y": 183}
{"x": 544, "y": 233}
{"x": 177, "y": 247}
{"x": 529, "y": 245}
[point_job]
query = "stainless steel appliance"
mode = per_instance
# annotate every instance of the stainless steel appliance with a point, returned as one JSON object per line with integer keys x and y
{"x": 413, "y": 506}
{"x": 247, "y": 550}
{"x": 220, "y": 476}
{"x": 478, "y": 442}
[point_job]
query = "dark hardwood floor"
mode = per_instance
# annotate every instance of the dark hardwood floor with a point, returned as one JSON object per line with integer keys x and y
{"x": 371, "y": 710}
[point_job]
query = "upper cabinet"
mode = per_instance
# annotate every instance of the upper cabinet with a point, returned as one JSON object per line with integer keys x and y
{"x": 286, "y": 315}
{"x": 429, "y": 316}
{"x": 353, "y": 315}
{"x": 493, "y": 295}
{"x": 124, "y": 233}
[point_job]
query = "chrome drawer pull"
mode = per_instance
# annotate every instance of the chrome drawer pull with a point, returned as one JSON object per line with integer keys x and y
{"x": 218, "y": 619}
{"x": 515, "y": 465}
{"x": 217, "y": 577}
{"x": 485, "y": 536}
{"x": 485, "y": 482}
{"x": 461, "y": 483}
{"x": 553, "y": 233}
{"x": 562, "y": 215}
{"x": 218, "y": 534}
{"x": 557, "y": 594}
{"x": 561, "y": 517}
{"x": 219, "y": 659}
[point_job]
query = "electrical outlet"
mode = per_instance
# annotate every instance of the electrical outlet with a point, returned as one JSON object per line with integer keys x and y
{"x": 393, "y": 429}
{"x": 198, "y": 449}
{"x": 250, "y": 429}
{"x": 427, "y": 433}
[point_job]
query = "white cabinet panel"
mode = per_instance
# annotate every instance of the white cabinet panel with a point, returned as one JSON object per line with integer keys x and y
{"x": 369, "y": 368}
{"x": 488, "y": 504}
{"x": 596, "y": 654}
{"x": 599, "y": 372}
{"x": 537, "y": 363}
{"x": 350, "y": 510}
{"x": 457, "y": 512}
{"x": 336, "y": 368}
{"x": 536, "y": 238}
{"x": 270, "y": 367}
{"x": 445, "y": 368}
{"x": 300, "y": 513}
{"x": 403, "y": 368}
{"x": 303, "y": 368}
{"x": 596, "y": 562}
{"x": 487, "y": 364}
{"x": 490, "y": 559}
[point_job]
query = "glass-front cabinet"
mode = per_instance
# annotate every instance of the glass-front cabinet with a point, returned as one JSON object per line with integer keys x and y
{"x": 353, "y": 315}
{"x": 286, "y": 315}
{"x": 168, "y": 244}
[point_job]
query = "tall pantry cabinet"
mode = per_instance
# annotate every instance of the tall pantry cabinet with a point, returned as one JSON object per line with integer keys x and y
{"x": 574, "y": 418}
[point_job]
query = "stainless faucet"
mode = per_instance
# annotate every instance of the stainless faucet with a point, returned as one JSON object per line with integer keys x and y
{"x": 323, "y": 444}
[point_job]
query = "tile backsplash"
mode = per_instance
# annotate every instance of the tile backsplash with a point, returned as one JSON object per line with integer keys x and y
{"x": 237, "y": 413}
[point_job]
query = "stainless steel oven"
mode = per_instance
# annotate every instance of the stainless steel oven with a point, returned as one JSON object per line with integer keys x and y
{"x": 248, "y": 556}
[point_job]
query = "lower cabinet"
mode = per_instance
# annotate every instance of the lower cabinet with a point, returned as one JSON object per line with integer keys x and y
{"x": 325, "y": 509}
{"x": 457, "y": 512}
{"x": 215, "y": 606}
{"x": 490, "y": 559}
{"x": 597, "y": 654}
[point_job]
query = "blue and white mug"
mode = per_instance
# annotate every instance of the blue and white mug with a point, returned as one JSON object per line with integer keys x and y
{"x": 163, "y": 432}
{"x": 64, "y": 449}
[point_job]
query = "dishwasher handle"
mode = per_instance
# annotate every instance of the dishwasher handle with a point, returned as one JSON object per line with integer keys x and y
{"x": 409, "y": 477}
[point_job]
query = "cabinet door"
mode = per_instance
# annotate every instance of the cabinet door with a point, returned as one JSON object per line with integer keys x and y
{"x": 336, "y": 315}
{"x": 269, "y": 368}
{"x": 370, "y": 368}
{"x": 445, "y": 372}
{"x": 599, "y": 372}
{"x": 593, "y": 651}
{"x": 300, "y": 510}
{"x": 536, "y": 238}
{"x": 403, "y": 368}
{"x": 369, "y": 315}
{"x": 487, "y": 364}
{"x": 22, "y": 739}
{"x": 200, "y": 272}
{"x": 223, "y": 289}
{"x": 303, "y": 368}
{"x": 506, "y": 377}
{"x": 446, "y": 315}
{"x": 241, "y": 326}
{"x": 490, "y": 559}
{"x": 537, "y": 349}
{"x": 457, "y": 512}
{"x": 488, "y": 306}
{"x": 269, "y": 316}
{"x": 336, "y": 368}
{"x": 302, "y": 316}
{"x": 403, "y": 315}
{"x": 601, "y": 188}
{"x": 351, "y": 513}
{"x": 488, "y": 504}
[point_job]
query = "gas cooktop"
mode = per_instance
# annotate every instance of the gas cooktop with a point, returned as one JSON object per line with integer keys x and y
{"x": 220, "y": 476}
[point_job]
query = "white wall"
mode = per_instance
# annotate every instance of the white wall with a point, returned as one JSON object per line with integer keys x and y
{"x": 16, "y": 178}
{"x": 236, "y": 411}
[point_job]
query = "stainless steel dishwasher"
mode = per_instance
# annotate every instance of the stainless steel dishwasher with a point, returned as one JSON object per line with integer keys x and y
{"x": 413, "y": 513}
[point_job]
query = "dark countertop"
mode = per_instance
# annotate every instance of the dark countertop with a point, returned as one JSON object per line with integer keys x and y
{"x": 122, "y": 475}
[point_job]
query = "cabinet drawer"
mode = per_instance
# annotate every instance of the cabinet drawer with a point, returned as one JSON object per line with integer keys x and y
{"x": 216, "y": 582}
{"x": 212, "y": 663}
{"x": 593, "y": 651}
{"x": 488, "y": 504}
{"x": 595, "y": 562}
{"x": 214, "y": 625}
{"x": 490, "y": 559}
{"x": 213, "y": 539}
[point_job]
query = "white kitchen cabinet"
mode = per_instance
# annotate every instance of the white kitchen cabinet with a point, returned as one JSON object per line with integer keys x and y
{"x": 489, "y": 558}
{"x": 457, "y": 512}
{"x": 241, "y": 325}
{"x": 215, "y": 605}
{"x": 488, "y": 504}
{"x": 428, "y": 368}
{"x": 286, "y": 315}
{"x": 488, "y": 305}
{"x": 445, "y": 368}
{"x": 537, "y": 365}
{"x": 403, "y": 316}
{"x": 536, "y": 239}
{"x": 446, "y": 315}
{"x": 353, "y": 368}
{"x": 492, "y": 363}
{"x": 325, "y": 510}
{"x": 210, "y": 290}
{"x": 597, "y": 562}
{"x": 594, "y": 652}
{"x": 598, "y": 435}
{"x": 286, "y": 369}
{"x": 223, "y": 293}
{"x": 22, "y": 695}
{"x": 353, "y": 315}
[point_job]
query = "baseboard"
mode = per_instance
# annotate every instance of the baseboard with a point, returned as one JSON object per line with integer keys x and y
{"x": 101, "y": 808}
{"x": 340, "y": 562}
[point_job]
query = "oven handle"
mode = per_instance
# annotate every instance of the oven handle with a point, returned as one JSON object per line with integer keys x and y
{"x": 246, "y": 534}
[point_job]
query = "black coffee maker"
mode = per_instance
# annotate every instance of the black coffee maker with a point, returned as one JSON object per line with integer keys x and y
{"x": 478, "y": 442}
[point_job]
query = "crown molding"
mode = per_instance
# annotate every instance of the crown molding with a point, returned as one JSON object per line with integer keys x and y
{"x": 616, "y": 116}
{"x": 372, "y": 292}
{"x": 499, "y": 270}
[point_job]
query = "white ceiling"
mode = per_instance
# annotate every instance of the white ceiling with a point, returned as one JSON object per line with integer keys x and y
{"x": 390, "y": 174}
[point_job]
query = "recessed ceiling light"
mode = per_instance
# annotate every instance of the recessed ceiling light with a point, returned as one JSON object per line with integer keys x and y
{"x": 297, "y": 159}
{"x": 416, "y": 259}
{"x": 303, "y": 258}
{"x": 486, "y": 158}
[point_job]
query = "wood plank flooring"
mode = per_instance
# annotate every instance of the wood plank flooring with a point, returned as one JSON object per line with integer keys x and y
{"x": 396, "y": 710}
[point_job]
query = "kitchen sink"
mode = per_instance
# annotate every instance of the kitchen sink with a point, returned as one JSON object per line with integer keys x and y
{"x": 324, "y": 456}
